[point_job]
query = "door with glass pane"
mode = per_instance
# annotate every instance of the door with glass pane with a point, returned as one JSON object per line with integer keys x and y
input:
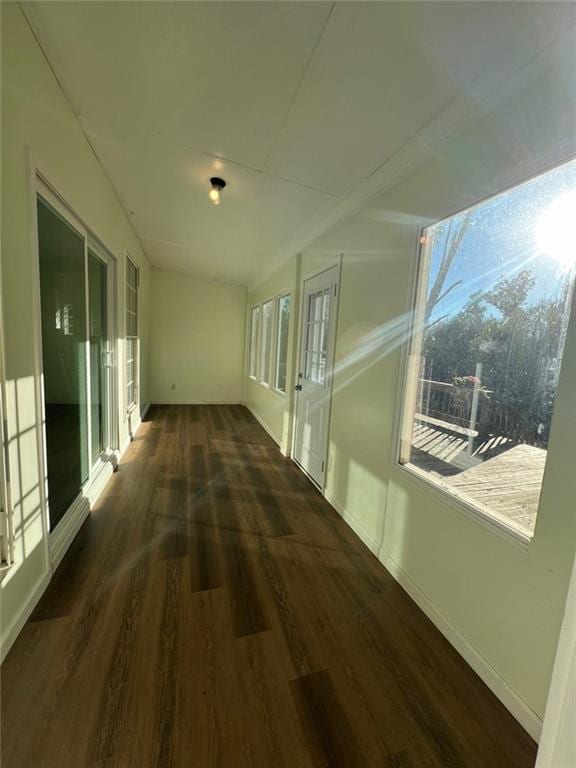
{"x": 74, "y": 290}
{"x": 314, "y": 387}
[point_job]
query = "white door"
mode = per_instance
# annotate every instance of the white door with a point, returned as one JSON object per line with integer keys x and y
{"x": 314, "y": 384}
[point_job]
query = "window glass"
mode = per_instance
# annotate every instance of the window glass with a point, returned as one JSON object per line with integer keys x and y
{"x": 266, "y": 342}
{"x": 131, "y": 333}
{"x": 98, "y": 337}
{"x": 316, "y": 336}
{"x": 253, "y": 352}
{"x": 491, "y": 319}
{"x": 64, "y": 336}
{"x": 284, "y": 303}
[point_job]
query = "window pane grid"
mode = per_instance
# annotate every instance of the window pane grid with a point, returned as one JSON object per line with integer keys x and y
{"x": 316, "y": 336}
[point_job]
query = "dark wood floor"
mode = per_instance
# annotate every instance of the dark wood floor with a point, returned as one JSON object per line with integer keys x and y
{"x": 215, "y": 611}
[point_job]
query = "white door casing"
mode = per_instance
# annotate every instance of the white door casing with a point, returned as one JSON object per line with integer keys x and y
{"x": 315, "y": 372}
{"x": 98, "y": 467}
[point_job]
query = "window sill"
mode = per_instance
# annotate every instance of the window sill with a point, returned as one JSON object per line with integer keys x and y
{"x": 474, "y": 511}
{"x": 279, "y": 392}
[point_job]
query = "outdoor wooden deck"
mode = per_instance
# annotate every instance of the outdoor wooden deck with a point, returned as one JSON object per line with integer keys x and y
{"x": 507, "y": 477}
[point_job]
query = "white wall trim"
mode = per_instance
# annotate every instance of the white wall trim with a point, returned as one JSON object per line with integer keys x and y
{"x": 65, "y": 532}
{"x": 517, "y": 707}
{"x": 265, "y": 427}
{"x": 156, "y": 401}
{"x": 372, "y": 544}
{"x": 11, "y": 632}
{"x": 527, "y": 718}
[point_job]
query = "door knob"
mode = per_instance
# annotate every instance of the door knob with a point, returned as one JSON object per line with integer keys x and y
{"x": 298, "y": 387}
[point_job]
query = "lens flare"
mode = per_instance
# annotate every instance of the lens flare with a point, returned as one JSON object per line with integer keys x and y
{"x": 555, "y": 232}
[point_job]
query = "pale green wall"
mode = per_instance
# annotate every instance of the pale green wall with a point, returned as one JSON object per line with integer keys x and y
{"x": 273, "y": 408}
{"x": 505, "y": 600}
{"x": 197, "y": 339}
{"x": 35, "y": 113}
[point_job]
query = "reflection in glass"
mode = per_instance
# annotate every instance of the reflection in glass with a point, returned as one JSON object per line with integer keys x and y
{"x": 253, "y": 357}
{"x": 97, "y": 279}
{"x": 63, "y": 307}
{"x": 317, "y": 336}
{"x": 266, "y": 342}
{"x": 282, "y": 342}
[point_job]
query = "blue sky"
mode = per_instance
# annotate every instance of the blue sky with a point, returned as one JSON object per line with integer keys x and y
{"x": 502, "y": 241}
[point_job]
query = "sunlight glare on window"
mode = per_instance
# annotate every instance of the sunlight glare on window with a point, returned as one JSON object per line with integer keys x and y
{"x": 554, "y": 231}
{"x": 492, "y": 315}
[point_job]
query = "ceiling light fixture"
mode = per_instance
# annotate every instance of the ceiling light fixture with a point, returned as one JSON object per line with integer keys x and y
{"x": 217, "y": 187}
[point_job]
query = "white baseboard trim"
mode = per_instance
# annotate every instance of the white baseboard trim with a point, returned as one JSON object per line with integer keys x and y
{"x": 11, "y": 632}
{"x": 67, "y": 529}
{"x": 264, "y": 426}
{"x": 156, "y": 401}
{"x": 358, "y": 529}
{"x": 527, "y": 718}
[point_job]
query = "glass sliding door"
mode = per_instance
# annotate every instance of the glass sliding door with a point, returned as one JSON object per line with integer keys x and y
{"x": 76, "y": 283}
{"x": 63, "y": 311}
{"x": 98, "y": 327}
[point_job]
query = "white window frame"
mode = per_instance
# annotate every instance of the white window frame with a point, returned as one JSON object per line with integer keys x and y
{"x": 134, "y": 384}
{"x": 407, "y": 406}
{"x": 276, "y": 345}
{"x": 254, "y": 349}
{"x": 265, "y": 371}
{"x": 406, "y": 397}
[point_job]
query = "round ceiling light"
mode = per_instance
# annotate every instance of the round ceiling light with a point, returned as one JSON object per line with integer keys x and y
{"x": 215, "y": 193}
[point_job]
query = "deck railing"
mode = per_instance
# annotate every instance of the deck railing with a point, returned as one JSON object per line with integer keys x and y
{"x": 479, "y": 412}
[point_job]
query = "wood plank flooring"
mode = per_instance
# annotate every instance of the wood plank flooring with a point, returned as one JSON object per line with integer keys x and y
{"x": 215, "y": 611}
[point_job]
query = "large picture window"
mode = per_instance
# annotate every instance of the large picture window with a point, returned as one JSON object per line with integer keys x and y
{"x": 283, "y": 326}
{"x": 492, "y": 311}
{"x": 131, "y": 333}
{"x": 266, "y": 342}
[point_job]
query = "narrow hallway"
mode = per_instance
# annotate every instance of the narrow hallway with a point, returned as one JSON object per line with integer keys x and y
{"x": 215, "y": 611}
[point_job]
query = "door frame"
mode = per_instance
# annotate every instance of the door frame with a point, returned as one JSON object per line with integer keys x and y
{"x": 59, "y": 539}
{"x": 309, "y": 275}
{"x": 102, "y": 253}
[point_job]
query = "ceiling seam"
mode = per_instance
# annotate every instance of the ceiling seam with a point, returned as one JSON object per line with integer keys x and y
{"x": 230, "y": 161}
{"x": 195, "y": 276}
{"x": 299, "y": 84}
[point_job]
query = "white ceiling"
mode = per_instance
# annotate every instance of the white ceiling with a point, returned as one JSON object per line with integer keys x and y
{"x": 296, "y": 104}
